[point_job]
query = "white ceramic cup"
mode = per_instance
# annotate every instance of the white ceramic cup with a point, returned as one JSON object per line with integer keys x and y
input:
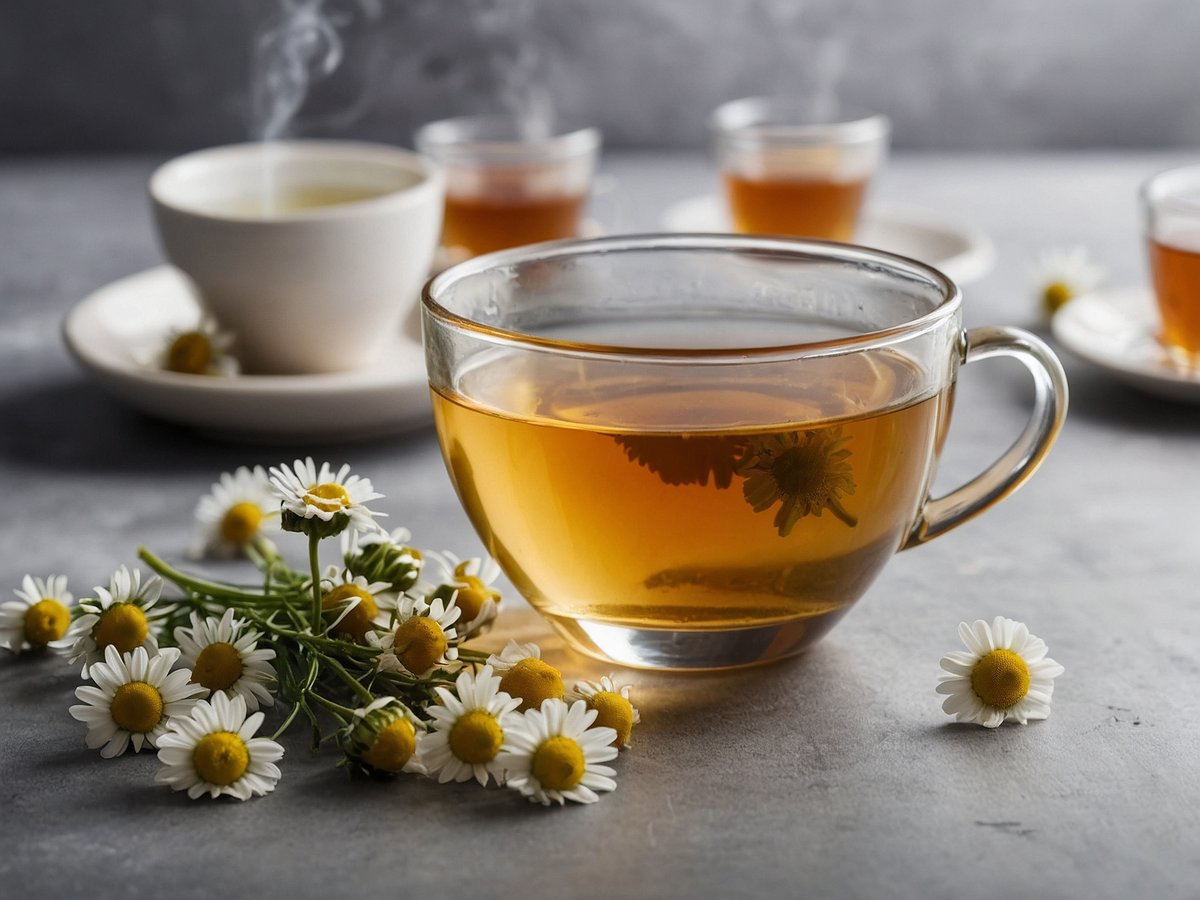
{"x": 313, "y": 288}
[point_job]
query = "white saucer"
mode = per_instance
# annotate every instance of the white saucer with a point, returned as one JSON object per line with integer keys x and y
{"x": 112, "y": 330}
{"x": 1116, "y": 330}
{"x": 963, "y": 253}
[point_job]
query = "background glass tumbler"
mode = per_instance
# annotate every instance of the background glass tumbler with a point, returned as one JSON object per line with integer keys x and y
{"x": 792, "y": 169}
{"x": 507, "y": 185}
{"x": 698, "y": 451}
{"x": 1171, "y": 222}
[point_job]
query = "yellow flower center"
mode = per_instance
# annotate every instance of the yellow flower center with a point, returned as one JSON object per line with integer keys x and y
{"x": 240, "y": 523}
{"x": 533, "y": 681}
{"x": 615, "y": 712}
{"x": 419, "y": 644}
{"x": 218, "y": 667}
{"x": 1000, "y": 679}
{"x": 476, "y": 737}
{"x": 558, "y": 763}
{"x": 122, "y": 625}
{"x": 1056, "y": 294}
{"x": 136, "y": 706}
{"x": 393, "y": 748}
{"x": 46, "y": 621}
{"x": 327, "y": 497}
{"x": 221, "y": 758}
{"x": 190, "y": 353}
{"x": 356, "y": 623}
{"x": 472, "y": 596}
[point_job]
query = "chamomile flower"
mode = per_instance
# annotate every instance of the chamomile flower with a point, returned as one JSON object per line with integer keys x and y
{"x": 213, "y": 751}
{"x": 40, "y": 615}
{"x": 203, "y": 350}
{"x": 466, "y": 582}
{"x": 322, "y": 501}
{"x": 382, "y": 738}
{"x": 423, "y": 638}
{"x": 223, "y": 656}
{"x": 119, "y": 617}
{"x": 134, "y": 696}
{"x": 524, "y": 674}
{"x": 380, "y": 556}
{"x": 611, "y": 702}
{"x": 1062, "y": 274}
{"x": 554, "y": 754}
{"x": 353, "y": 606}
{"x": 1004, "y": 675}
{"x": 470, "y": 727}
{"x": 235, "y": 513}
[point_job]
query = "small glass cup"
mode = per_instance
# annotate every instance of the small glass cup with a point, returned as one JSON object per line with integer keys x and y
{"x": 790, "y": 170}
{"x": 698, "y": 451}
{"x": 1170, "y": 204}
{"x": 507, "y": 186}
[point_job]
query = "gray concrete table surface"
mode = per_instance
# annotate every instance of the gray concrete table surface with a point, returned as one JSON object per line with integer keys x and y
{"x": 832, "y": 775}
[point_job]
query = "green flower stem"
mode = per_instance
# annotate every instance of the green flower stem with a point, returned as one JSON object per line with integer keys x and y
{"x": 314, "y": 566}
{"x": 315, "y": 641}
{"x": 477, "y": 656}
{"x": 200, "y": 585}
{"x": 353, "y": 683}
{"x": 344, "y": 713}
{"x": 287, "y": 723}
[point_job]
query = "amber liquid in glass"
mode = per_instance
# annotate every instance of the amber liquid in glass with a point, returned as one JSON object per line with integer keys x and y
{"x": 483, "y": 224}
{"x": 1176, "y": 272}
{"x": 627, "y": 501}
{"x": 795, "y": 207}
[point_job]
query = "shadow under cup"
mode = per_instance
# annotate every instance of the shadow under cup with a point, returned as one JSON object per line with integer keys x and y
{"x": 696, "y": 451}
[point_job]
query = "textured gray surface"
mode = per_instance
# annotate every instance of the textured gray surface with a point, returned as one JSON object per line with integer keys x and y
{"x": 159, "y": 74}
{"x": 834, "y": 775}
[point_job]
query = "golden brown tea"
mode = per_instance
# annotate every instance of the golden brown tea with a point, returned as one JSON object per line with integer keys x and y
{"x": 487, "y": 223}
{"x": 1176, "y": 273}
{"x": 623, "y": 500}
{"x": 797, "y": 207}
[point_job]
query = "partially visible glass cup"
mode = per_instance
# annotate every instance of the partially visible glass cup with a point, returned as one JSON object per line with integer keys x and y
{"x": 508, "y": 185}
{"x": 790, "y": 168}
{"x": 1170, "y": 204}
{"x": 698, "y": 451}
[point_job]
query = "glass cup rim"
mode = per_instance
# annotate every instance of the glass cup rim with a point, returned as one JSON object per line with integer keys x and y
{"x": 748, "y": 119}
{"x": 948, "y": 306}
{"x": 1155, "y": 190}
{"x": 456, "y": 141}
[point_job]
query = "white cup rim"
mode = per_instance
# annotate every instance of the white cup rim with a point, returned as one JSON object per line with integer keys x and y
{"x": 166, "y": 180}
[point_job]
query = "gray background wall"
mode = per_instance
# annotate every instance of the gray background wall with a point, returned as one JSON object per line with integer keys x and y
{"x": 163, "y": 75}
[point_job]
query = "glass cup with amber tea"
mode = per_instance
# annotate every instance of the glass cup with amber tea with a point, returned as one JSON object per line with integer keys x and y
{"x": 507, "y": 185}
{"x": 789, "y": 169}
{"x": 1171, "y": 220}
{"x": 698, "y": 451}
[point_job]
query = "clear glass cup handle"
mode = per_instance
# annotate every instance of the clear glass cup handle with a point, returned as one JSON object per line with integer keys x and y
{"x": 1019, "y": 461}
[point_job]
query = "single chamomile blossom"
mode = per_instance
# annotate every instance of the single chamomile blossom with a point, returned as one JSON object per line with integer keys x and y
{"x": 40, "y": 615}
{"x": 554, "y": 754}
{"x": 353, "y": 606}
{"x": 118, "y": 616}
{"x": 223, "y": 656}
{"x": 467, "y": 581}
{"x": 1004, "y": 675}
{"x": 1059, "y": 275}
{"x": 423, "y": 638}
{"x": 383, "y": 556}
{"x": 321, "y": 501}
{"x": 235, "y": 513}
{"x": 524, "y": 674}
{"x": 134, "y": 696}
{"x": 611, "y": 702}
{"x": 213, "y": 751}
{"x": 469, "y": 729}
{"x": 382, "y": 738}
{"x": 203, "y": 350}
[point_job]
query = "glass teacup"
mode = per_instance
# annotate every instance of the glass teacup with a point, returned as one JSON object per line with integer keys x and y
{"x": 698, "y": 451}
{"x": 1171, "y": 220}
{"x": 791, "y": 168}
